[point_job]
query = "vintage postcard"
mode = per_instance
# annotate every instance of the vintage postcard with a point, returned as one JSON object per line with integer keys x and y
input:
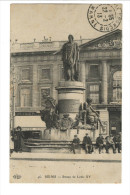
{"x": 66, "y": 93}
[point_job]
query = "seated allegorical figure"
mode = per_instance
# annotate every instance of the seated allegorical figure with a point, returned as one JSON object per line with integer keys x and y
{"x": 49, "y": 114}
{"x": 92, "y": 117}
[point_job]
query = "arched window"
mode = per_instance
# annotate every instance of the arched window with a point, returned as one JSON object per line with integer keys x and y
{"x": 117, "y": 86}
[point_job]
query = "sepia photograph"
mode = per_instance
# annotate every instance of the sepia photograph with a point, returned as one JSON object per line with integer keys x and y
{"x": 65, "y": 93}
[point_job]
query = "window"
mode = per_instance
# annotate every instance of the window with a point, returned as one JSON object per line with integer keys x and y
{"x": 46, "y": 74}
{"x": 95, "y": 98}
{"x": 94, "y": 71}
{"x": 94, "y": 88}
{"x": 94, "y": 93}
{"x": 25, "y": 98}
{"x": 117, "y": 87}
{"x": 26, "y": 74}
{"x": 44, "y": 93}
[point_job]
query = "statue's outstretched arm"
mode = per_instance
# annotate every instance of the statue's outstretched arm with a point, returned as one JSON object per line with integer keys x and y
{"x": 56, "y": 52}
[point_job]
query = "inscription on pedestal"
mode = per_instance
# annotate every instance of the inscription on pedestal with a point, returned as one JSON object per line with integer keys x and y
{"x": 68, "y": 106}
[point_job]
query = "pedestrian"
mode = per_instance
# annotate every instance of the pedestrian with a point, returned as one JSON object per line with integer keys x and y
{"x": 18, "y": 136}
{"x": 99, "y": 143}
{"x": 15, "y": 139}
{"x": 117, "y": 141}
{"x": 110, "y": 144}
{"x": 75, "y": 143}
{"x": 87, "y": 144}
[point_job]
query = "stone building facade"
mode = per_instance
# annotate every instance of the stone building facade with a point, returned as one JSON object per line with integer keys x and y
{"x": 38, "y": 67}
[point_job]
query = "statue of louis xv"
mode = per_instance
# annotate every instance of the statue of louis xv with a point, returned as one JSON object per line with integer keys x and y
{"x": 70, "y": 57}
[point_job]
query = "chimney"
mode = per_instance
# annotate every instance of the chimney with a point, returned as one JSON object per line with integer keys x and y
{"x": 16, "y": 40}
{"x": 81, "y": 38}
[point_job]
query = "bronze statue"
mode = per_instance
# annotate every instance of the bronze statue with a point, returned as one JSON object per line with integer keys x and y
{"x": 89, "y": 117}
{"x": 92, "y": 117}
{"x": 50, "y": 113}
{"x": 70, "y": 57}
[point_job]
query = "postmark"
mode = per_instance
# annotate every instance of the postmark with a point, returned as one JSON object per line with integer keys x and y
{"x": 104, "y": 17}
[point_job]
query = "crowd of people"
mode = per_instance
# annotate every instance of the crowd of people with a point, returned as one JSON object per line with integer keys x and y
{"x": 108, "y": 142}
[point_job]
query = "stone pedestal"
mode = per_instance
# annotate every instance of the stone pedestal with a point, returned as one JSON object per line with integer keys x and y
{"x": 70, "y": 96}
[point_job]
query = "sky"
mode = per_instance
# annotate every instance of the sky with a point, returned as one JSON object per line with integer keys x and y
{"x": 29, "y": 21}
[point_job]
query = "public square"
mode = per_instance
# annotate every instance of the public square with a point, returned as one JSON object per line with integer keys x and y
{"x": 65, "y": 168}
{"x": 66, "y": 95}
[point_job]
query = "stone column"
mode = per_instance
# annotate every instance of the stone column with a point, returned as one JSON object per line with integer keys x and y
{"x": 82, "y": 72}
{"x": 104, "y": 90}
{"x": 35, "y": 87}
{"x": 83, "y": 77}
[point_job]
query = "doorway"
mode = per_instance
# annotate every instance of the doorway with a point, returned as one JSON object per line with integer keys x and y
{"x": 114, "y": 122}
